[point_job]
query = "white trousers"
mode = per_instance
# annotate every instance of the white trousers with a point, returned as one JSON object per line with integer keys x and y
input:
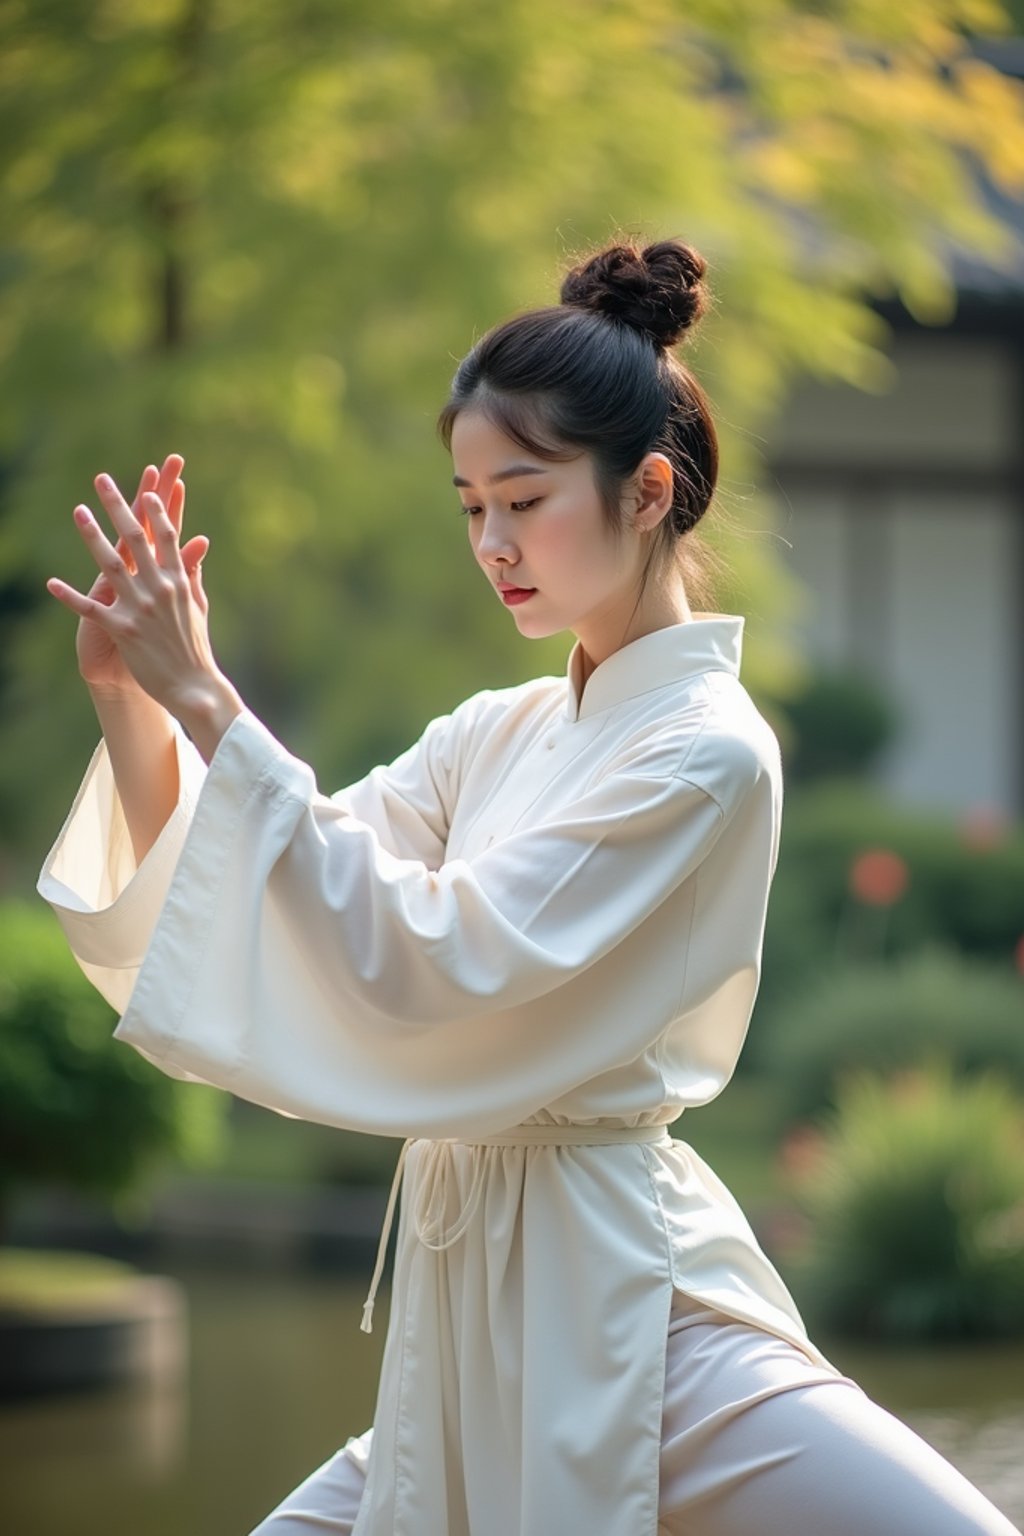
{"x": 754, "y": 1438}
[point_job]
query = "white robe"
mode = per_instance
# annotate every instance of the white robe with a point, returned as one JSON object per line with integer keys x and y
{"x": 548, "y": 911}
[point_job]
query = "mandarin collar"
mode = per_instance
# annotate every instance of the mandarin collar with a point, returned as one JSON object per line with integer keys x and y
{"x": 708, "y": 642}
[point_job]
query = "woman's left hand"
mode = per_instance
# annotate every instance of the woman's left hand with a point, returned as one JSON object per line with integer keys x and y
{"x": 158, "y": 619}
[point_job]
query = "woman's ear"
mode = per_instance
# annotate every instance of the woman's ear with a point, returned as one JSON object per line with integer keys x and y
{"x": 654, "y": 490}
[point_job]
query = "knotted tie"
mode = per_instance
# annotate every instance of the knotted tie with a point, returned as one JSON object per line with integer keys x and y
{"x": 436, "y": 1171}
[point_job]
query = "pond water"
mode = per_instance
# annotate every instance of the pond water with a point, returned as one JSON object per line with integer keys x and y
{"x": 280, "y": 1375}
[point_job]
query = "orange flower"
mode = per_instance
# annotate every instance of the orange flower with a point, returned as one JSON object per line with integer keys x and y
{"x": 879, "y": 877}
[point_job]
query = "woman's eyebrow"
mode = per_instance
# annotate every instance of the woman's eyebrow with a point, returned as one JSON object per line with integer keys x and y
{"x": 503, "y": 474}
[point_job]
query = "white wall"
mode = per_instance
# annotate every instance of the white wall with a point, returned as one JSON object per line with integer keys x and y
{"x": 951, "y": 666}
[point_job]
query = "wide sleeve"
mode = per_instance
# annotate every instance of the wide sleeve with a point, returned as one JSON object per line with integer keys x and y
{"x": 106, "y": 900}
{"x": 299, "y": 963}
{"x": 409, "y": 802}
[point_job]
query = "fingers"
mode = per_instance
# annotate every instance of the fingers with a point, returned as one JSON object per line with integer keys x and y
{"x": 113, "y": 567}
{"x": 176, "y": 506}
{"x": 172, "y": 467}
{"x": 164, "y": 532}
{"x": 193, "y": 554}
{"x": 170, "y": 489}
{"x": 194, "y": 551}
{"x": 90, "y": 608}
{"x": 133, "y": 553}
{"x": 85, "y": 607}
{"x": 126, "y": 524}
{"x": 147, "y": 481}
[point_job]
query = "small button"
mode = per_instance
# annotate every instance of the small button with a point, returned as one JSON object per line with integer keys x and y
{"x": 550, "y": 741}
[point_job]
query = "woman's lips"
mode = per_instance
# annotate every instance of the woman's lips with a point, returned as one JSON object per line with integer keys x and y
{"x": 517, "y": 595}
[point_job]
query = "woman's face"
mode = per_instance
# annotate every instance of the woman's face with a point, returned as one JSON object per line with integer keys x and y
{"x": 539, "y": 524}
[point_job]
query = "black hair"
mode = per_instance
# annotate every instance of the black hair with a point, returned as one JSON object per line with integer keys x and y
{"x": 596, "y": 372}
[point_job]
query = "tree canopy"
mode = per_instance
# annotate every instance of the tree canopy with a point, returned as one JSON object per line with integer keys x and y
{"x": 262, "y": 233}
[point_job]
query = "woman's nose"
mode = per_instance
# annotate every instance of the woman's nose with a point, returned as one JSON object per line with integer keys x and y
{"x": 496, "y": 555}
{"x": 494, "y": 545}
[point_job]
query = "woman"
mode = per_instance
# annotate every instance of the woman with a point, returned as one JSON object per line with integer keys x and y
{"x": 526, "y": 946}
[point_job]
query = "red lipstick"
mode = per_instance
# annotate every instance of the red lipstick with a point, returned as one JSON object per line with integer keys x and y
{"x": 511, "y": 595}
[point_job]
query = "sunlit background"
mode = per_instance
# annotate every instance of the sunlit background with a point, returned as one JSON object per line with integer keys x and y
{"x": 262, "y": 234}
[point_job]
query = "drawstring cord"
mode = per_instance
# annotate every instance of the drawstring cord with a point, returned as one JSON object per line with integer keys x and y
{"x": 430, "y": 1208}
{"x": 367, "y": 1324}
{"x": 437, "y": 1163}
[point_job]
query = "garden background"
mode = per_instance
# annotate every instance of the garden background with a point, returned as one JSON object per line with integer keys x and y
{"x": 262, "y": 235}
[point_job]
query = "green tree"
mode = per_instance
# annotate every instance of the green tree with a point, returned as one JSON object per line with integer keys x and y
{"x": 262, "y": 233}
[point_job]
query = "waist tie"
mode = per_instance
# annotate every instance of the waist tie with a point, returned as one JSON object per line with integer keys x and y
{"x": 430, "y": 1208}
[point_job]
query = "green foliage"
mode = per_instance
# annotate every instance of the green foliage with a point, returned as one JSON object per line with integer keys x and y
{"x": 963, "y": 894}
{"x": 965, "y": 891}
{"x": 840, "y": 723}
{"x": 77, "y": 1107}
{"x": 266, "y": 1147}
{"x": 887, "y": 1016}
{"x": 261, "y": 235}
{"x": 916, "y": 1206}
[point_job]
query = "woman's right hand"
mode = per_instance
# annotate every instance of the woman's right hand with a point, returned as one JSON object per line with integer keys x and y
{"x": 99, "y": 660}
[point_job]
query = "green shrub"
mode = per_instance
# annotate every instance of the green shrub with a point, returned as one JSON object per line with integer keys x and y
{"x": 887, "y": 1016}
{"x": 839, "y": 724}
{"x": 77, "y": 1107}
{"x": 965, "y": 893}
{"x": 916, "y": 1206}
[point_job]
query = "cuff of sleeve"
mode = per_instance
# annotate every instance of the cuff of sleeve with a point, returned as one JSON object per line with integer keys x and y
{"x": 249, "y": 754}
{"x": 106, "y": 901}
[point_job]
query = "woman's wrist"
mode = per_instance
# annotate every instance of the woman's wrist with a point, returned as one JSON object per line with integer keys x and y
{"x": 129, "y": 695}
{"x": 206, "y": 709}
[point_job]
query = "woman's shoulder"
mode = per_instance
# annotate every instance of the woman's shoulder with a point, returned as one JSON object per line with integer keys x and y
{"x": 709, "y": 732}
{"x": 736, "y": 747}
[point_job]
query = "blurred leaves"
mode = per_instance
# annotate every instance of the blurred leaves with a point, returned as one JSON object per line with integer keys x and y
{"x": 887, "y": 1017}
{"x": 263, "y": 234}
{"x": 964, "y": 893}
{"x": 76, "y": 1109}
{"x": 915, "y": 1193}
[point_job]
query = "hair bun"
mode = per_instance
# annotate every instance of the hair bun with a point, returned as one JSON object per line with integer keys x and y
{"x": 657, "y": 289}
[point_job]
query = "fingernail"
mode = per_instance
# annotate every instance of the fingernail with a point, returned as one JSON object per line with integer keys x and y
{"x": 104, "y": 480}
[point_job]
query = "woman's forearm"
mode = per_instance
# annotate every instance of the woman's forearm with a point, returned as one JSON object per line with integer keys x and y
{"x": 139, "y": 734}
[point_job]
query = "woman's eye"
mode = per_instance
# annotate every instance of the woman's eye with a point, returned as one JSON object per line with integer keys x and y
{"x": 517, "y": 506}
